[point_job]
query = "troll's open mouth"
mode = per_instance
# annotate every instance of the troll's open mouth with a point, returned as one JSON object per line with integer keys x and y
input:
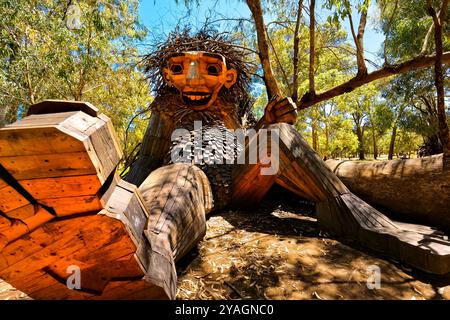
{"x": 196, "y": 98}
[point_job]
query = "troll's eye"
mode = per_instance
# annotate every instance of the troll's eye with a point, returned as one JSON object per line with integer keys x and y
{"x": 214, "y": 69}
{"x": 176, "y": 68}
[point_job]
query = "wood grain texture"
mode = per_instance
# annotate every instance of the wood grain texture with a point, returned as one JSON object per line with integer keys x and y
{"x": 416, "y": 190}
{"x": 300, "y": 169}
{"x": 350, "y": 217}
{"x": 48, "y": 165}
{"x": 57, "y": 106}
{"x": 59, "y": 145}
{"x": 154, "y": 148}
{"x": 67, "y": 161}
{"x": 178, "y": 198}
{"x": 105, "y": 246}
{"x": 342, "y": 213}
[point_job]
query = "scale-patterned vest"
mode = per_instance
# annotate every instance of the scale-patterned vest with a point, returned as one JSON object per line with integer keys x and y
{"x": 203, "y": 139}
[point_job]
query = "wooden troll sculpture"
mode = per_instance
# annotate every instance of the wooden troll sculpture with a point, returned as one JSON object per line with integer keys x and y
{"x": 68, "y": 222}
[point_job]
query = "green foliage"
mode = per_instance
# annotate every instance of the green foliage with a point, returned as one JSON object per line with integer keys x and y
{"x": 405, "y": 24}
{"x": 41, "y": 58}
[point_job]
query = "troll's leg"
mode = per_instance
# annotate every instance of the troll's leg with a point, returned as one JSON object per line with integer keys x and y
{"x": 341, "y": 212}
{"x": 178, "y": 197}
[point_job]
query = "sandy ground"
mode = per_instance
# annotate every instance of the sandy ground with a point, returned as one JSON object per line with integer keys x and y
{"x": 276, "y": 251}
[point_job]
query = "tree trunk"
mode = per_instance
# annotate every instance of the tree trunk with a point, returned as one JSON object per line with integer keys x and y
{"x": 296, "y": 49}
{"x": 392, "y": 143}
{"x": 261, "y": 32}
{"x": 374, "y": 140}
{"x": 315, "y": 139}
{"x": 359, "y": 39}
{"x": 312, "y": 47}
{"x": 439, "y": 21}
{"x": 360, "y": 135}
{"x": 417, "y": 190}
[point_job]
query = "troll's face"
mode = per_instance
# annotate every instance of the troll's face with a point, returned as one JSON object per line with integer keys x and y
{"x": 198, "y": 76}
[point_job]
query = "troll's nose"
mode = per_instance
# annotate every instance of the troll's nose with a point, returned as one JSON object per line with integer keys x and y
{"x": 193, "y": 73}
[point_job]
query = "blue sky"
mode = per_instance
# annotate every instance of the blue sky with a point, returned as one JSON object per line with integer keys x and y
{"x": 160, "y": 16}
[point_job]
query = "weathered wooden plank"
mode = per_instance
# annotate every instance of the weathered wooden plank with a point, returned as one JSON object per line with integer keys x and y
{"x": 22, "y": 212}
{"x": 56, "y": 106}
{"x": 63, "y": 187}
{"x": 416, "y": 190}
{"x": 73, "y": 205}
{"x": 350, "y": 217}
{"x": 61, "y": 239}
{"x": 113, "y": 134}
{"x": 2, "y": 184}
{"x": 38, "y": 121}
{"x": 21, "y": 227}
{"x": 10, "y": 199}
{"x": 52, "y": 145}
{"x": 48, "y": 165}
{"x": 174, "y": 196}
{"x": 80, "y": 123}
{"x": 106, "y": 149}
{"x": 304, "y": 156}
{"x": 46, "y": 140}
{"x": 154, "y": 148}
{"x": 98, "y": 245}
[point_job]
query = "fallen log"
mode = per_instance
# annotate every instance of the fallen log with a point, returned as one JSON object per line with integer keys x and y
{"x": 415, "y": 190}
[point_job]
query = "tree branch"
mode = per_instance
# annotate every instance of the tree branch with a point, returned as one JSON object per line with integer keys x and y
{"x": 358, "y": 81}
{"x": 296, "y": 49}
{"x": 426, "y": 40}
{"x": 439, "y": 21}
{"x": 280, "y": 65}
{"x": 312, "y": 44}
{"x": 261, "y": 32}
{"x": 359, "y": 38}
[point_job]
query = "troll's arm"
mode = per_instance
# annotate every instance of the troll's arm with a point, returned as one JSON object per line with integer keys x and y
{"x": 278, "y": 111}
{"x": 154, "y": 148}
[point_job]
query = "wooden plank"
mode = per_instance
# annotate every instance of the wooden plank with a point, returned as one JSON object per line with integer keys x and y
{"x": 20, "y": 228}
{"x": 32, "y": 141}
{"x": 57, "y": 106}
{"x": 73, "y": 205}
{"x": 61, "y": 238}
{"x": 306, "y": 157}
{"x": 21, "y": 213}
{"x": 154, "y": 148}
{"x": 48, "y": 165}
{"x": 174, "y": 196}
{"x": 106, "y": 149}
{"x": 2, "y": 183}
{"x": 10, "y": 199}
{"x": 73, "y": 186}
{"x": 353, "y": 219}
{"x": 105, "y": 254}
{"x": 4, "y": 223}
{"x": 46, "y": 287}
{"x": 39, "y": 121}
{"x": 112, "y": 133}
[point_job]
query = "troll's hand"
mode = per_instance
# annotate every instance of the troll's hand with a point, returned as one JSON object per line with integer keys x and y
{"x": 280, "y": 110}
